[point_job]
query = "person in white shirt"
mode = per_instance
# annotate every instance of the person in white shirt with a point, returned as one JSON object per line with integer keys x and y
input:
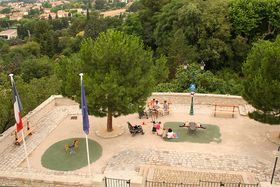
{"x": 171, "y": 134}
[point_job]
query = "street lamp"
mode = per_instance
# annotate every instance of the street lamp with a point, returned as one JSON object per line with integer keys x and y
{"x": 192, "y": 86}
{"x": 202, "y": 65}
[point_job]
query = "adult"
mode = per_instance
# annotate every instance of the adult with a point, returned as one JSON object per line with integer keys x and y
{"x": 165, "y": 107}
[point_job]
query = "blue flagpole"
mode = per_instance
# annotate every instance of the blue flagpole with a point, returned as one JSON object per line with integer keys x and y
{"x": 85, "y": 118}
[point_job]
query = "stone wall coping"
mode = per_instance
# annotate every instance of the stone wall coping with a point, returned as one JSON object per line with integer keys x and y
{"x": 9, "y": 177}
{"x": 51, "y": 178}
{"x": 267, "y": 184}
{"x": 50, "y": 100}
{"x": 196, "y": 94}
{"x": 64, "y": 180}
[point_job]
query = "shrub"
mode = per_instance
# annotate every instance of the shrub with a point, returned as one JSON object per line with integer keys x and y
{"x": 265, "y": 118}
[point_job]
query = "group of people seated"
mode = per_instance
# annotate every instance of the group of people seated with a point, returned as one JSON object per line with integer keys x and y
{"x": 163, "y": 132}
{"x": 155, "y": 109}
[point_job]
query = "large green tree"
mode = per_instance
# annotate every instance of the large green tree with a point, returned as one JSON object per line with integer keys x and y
{"x": 118, "y": 74}
{"x": 31, "y": 95}
{"x": 132, "y": 25}
{"x": 262, "y": 72}
{"x": 147, "y": 12}
{"x": 256, "y": 18}
{"x": 95, "y": 25}
{"x": 100, "y": 4}
{"x": 6, "y": 115}
{"x": 189, "y": 31}
{"x": 36, "y": 68}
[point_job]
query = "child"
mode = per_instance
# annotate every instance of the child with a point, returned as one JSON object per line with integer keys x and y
{"x": 162, "y": 132}
{"x": 156, "y": 126}
{"x": 171, "y": 134}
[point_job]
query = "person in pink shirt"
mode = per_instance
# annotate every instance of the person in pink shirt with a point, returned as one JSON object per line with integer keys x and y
{"x": 156, "y": 126}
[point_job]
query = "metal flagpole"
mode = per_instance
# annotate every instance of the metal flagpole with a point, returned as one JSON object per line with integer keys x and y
{"x": 89, "y": 171}
{"x": 83, "y": 105}
{"x": 25, "y": 150}
{"x": 23, "y": 139}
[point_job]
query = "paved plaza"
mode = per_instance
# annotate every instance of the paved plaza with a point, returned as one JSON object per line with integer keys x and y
{"x": 245, "y": 149}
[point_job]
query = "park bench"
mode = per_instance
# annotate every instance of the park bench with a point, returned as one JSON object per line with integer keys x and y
{"x": 26, "y": 133}
{"x": 223, "y": 108}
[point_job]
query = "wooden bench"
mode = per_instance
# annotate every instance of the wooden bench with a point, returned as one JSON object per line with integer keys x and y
{"x": 224, "y": 108}
{"x": 26, "y": 133}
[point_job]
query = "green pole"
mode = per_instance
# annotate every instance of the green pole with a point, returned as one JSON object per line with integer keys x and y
{"x": 191, "y": 110}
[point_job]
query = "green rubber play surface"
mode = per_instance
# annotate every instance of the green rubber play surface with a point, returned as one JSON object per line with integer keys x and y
{"x": 57, "y": 158}
{"x": 210, "y": 134}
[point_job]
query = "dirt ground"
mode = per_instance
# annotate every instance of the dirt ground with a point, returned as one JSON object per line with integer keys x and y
{"x": 240, "y": 136}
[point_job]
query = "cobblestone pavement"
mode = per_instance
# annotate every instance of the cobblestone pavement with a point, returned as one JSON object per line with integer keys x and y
{"x": 193, "y": 177}
{"x": 14, "y": 155}
{"x": 129, "y": 160}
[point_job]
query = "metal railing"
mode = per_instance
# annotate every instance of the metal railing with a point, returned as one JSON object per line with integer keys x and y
{"x": 224, "y": 184}
{"x": 168, "y": 184}
{"x": 112, "y": 182}
{"x": 201, "y": 184}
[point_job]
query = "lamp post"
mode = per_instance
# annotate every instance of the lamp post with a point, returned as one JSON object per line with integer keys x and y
{"x": 277, "y": 153}
{"x": 193, "y": 87}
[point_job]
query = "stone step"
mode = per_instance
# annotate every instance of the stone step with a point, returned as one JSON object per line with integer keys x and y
{"x": 150, "y": 174}
{"x": 250, "y": 108}
{"x": 144, "y": 170}
{"x": 242, "y": 110}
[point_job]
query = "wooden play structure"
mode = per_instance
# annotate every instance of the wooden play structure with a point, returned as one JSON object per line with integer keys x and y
{"x": 72, "y": 147}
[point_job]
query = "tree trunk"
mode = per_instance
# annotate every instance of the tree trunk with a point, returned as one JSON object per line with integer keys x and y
{"x": 109, "y": 122}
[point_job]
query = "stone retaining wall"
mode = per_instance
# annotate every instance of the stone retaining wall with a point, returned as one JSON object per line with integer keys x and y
{"x": 24, "y": 180}
{"x": 34, "y": 116}
{"x": 46, "y": 180}
{"x": 62, "y": 101}
{"x": 203, "y": 99}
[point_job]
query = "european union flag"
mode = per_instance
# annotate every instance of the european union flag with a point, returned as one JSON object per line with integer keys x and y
{"x": 84, "y": 110}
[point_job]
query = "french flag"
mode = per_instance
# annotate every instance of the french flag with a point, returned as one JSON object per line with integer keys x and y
{"x": 17, "y": 105}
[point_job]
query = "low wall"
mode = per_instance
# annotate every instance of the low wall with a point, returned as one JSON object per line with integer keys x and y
{"x": 63, "y": 101}
{"x": 42, "y": 180}
{"x": 34, "y": 116}
{"x": 203, "y": 99}
{"x": 23, "y": 179}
